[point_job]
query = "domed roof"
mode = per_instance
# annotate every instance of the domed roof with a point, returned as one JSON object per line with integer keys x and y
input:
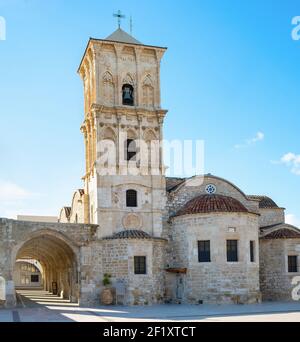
{"x": 265, "y": 202}
{"x": 129, "y": 234}
{"x": 283, "y": 233}
{"x": 132, "y": 234}
{"x": 212, "y": 203}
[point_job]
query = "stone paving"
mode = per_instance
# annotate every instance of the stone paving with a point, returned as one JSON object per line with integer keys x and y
{"x": 40, "y": 306}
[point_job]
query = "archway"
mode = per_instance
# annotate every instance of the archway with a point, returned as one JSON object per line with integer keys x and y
{"x": 58, "y": 261}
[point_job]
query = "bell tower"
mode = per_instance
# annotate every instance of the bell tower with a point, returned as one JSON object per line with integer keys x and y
{"x": 123, "y": 123}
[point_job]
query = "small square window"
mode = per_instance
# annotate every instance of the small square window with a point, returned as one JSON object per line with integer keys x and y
{"x": 35, "y": 278}
{"x": 140, "y": 265}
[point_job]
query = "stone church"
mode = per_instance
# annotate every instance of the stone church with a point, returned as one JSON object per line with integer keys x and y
{"x": 161, "y": 240}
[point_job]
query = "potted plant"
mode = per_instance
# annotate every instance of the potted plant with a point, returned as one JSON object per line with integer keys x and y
{"x": 107, "y": 294}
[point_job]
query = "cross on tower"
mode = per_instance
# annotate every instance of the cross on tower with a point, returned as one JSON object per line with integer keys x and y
{"x": 120, "y": 16}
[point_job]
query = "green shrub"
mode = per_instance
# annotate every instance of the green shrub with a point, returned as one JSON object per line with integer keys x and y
{"x": 106, "y": 280}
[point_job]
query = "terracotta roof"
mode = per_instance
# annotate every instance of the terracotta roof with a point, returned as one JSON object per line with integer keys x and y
{"x": 212, "y": 203}
{"x": 283, "y": 233}
{"x": 130, "y": 234}
{"x": 265, "y": 202}
{"x": 173, "y": 182}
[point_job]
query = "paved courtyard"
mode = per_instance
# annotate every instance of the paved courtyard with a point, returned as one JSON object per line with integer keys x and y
{"x": 40, "y": 306}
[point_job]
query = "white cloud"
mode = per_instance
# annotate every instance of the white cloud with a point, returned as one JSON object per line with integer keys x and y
{"x": 293, "y": 220}
{"x": 292, "y": 161}
{"x": 12, "y": 192}
{"x": 14, "y": 199}
{"x": 260, "y": 136}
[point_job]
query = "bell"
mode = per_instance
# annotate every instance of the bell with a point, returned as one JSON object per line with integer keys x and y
{"x": 127, "y": 96}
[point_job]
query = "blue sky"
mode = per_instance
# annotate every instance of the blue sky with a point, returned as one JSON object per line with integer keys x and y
{"x": 230, "y": 77}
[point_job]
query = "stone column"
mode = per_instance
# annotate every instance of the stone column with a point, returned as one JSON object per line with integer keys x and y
{"x": 161, "y": 156}
{"x": 159, "y": 55}
{"x": 84, "y": 131}
{"x": 10, "y": 293}
{"x": 138, "y": 52}
{"x": 118, "y": 50}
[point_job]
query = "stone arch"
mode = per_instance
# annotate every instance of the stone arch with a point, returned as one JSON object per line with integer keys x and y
{"x": 77, "y": 207}
{"x": 149, "y": 135}
{"x": 109, "y": 134}
{"x": 59, "y": 257}
{"x": 128, "y": 79}
{"x": 64, "y": 215}
{"x": 131, "y": 134}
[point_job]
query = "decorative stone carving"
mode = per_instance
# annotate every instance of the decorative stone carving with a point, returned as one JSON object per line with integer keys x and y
{"x": 128, "y": 79}
{"x": 132, "y": 221}
{"x": 115, "y": 198}
{"x": 108, "y": 88}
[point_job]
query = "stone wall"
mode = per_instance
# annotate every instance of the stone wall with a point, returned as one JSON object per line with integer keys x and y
{"x": 275, "y": 281}
{"x": 65, "y": 245}
{"x": 269, "y": 217}
{"x": 217, "y": 281}
{"x": 118, "y": 261}
{"x": 59, "y": 251}
{"x": 147, "y": 215}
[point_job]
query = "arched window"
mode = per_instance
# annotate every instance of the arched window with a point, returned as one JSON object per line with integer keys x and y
{"x": 128, "y": 95}
{"x": 130, "y": 150}
{"x": 131, "y": 198}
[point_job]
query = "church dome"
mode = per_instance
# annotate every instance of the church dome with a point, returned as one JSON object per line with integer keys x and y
{"x": 265, "y": 202}
{"x": 212, "y": 204}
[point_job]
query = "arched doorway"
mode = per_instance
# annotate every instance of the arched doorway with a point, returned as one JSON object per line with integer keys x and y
{"x": 58, "y": 260}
